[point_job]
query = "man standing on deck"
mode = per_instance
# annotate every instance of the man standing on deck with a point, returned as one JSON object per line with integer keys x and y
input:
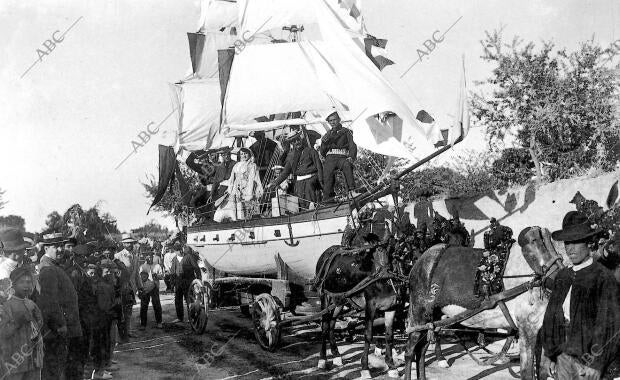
{"x": 581, "y": 328}
{"x": 304, "y": 164}
{"x": 262, "y": 150}
{"x": 340, "y": 151}
{"x": 205, "y": 166}
{"x": 222, "y": 175}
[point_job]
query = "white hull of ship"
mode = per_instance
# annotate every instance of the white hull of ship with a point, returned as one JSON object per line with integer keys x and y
{"x": 252, "y": 247}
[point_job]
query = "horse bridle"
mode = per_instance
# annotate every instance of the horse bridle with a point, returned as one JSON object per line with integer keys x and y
{"x": 552, "y": 266}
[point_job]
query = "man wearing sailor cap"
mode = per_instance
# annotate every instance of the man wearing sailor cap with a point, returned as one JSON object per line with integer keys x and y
{"x": 339, "y": 150}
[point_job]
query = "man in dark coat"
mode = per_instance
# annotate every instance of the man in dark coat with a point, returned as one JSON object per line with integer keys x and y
{"x": 203, "y": 163}
{"x": 581, "y": 328}
{"x": 87, "y": 306}
{"x": 222, "y": 175}
{"x": 187, "y": 270}
{"x": 340, "y": 151}
{"x": 262, "y": 149}
{"x": 58, "y": 302}
{"x": 304, "y": 165}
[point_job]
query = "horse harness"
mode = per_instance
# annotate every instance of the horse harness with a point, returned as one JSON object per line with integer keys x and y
{"x": 382, "y": 274}
{"x": 548, "y": 269}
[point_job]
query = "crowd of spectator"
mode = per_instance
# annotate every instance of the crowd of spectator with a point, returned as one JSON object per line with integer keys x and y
{"x": 64, "y": 306}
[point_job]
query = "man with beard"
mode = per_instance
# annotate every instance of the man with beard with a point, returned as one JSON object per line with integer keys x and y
{"x": 340, "y": 151}
{"x": 262, "y": 149}
{"x": 58, "y": 302}
{"x": 580, "y": 331}
{"x": 131, "y": 263}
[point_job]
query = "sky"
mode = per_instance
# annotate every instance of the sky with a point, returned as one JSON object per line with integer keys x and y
{"x": 69, "y": 121}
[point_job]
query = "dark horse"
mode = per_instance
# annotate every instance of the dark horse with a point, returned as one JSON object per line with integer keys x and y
{"x": 340, "y": 270}
{"x": 442, "y": 283}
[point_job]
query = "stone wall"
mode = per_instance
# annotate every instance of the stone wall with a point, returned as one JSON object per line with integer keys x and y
{"x": 516, "y": 208}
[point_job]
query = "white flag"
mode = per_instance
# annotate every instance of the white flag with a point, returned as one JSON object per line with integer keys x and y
{"x": 460, "y": 126}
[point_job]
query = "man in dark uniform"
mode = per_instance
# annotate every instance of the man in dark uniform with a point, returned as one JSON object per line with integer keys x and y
{"x": 87, "y": 303}
{"x": 340, "y": 151}
{"x": 58, "y": 302}
{"x": 304, "y": 164}
{"x": 581, "y": 328}
{"x": 262, "y": 150}
{"x": 205, "y": 164}
{"x": 222, "y": 175}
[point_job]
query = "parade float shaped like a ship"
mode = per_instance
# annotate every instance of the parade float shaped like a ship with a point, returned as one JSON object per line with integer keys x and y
{"x": 244, "y": 79}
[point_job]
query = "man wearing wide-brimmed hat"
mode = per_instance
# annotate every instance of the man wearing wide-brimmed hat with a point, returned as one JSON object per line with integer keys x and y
{"x": 58, "y": 302}
{"x": 12, "y": 247}
{"x": 131, "y": 262}
{"x": 580, "y": 332}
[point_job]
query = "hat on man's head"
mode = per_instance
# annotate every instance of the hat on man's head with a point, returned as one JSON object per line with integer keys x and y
{"x": 126, "y": 238}
{"x": 332, "y": 114}
{"x": 292, "y": 135}
{"x": 20, "y": 272}
{"x": 576, "y": 226}
{"x": 109, "y": 264}
{"x": 54, "y": 238}
{"x": 313, "y": 136}
{"x": 92, "y": 262}
{"x": 12, "y": 239}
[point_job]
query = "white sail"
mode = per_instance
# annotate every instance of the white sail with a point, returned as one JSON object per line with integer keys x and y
{"x": 257, "y": 16}
{"x": 271, "y": 79}
{"x": 199, "y": 108}
{"x": 217, "y": 14}
{"x": 305, "y": 76}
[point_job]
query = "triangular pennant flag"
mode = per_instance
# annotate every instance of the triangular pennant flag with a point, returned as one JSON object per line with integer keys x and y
{"x": 424, "y": 117}
{"x": 196, "y": 46}
{"x": 379, "y": 60}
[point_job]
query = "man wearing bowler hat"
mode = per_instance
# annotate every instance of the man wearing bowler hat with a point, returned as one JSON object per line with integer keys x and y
{"x": 58, "y": 302}
{"x": 581, "y": 328}
{"x": 340, "y": 151}
{"x": 12, "y": 246}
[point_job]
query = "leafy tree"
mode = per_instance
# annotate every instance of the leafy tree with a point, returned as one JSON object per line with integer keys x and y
{"x": 86, "y": 225}
{"x": 513, "y": 167}
{"x": 53, "y": 223}
{"x": 151, "y": 230}
{"x": 560, "y": 106}
{"x": 172, "y": 204}
{"x": 15, "y": 221}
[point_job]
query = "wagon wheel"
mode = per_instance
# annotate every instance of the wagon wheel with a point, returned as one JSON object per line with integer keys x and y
{"x": 266, "y": 319}
{"x": 198, "y": 308}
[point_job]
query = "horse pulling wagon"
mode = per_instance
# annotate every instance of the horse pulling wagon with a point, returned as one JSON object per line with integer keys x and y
{"x": 369, "y": 279}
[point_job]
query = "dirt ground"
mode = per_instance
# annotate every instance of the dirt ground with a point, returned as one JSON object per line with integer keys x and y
{"x": 228, "y": 350}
